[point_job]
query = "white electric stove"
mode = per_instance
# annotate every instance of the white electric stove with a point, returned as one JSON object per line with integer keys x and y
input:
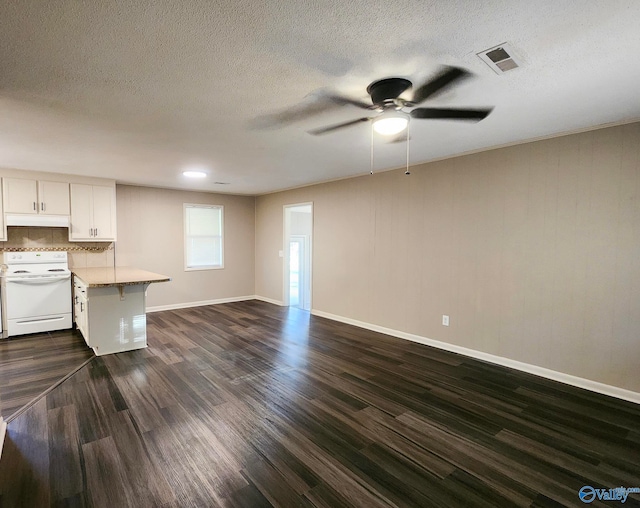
{"x": 36, "y": 292}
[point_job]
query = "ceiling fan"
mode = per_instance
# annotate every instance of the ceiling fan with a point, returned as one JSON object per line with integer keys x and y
{"x": 392, "y": 115}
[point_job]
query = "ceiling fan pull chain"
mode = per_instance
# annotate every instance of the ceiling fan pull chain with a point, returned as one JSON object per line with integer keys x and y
{"x": 371, "y": 168}
{"x": 408, "y": 126}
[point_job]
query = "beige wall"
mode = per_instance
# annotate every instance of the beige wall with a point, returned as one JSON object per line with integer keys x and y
{"x": 150, "y": 236}
{"x": 533, "y": 251}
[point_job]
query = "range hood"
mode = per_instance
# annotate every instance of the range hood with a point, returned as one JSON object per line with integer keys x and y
{"x": 44, "y": 221}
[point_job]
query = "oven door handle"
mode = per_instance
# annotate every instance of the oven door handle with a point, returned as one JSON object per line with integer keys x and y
{"x": 38, "y": 280}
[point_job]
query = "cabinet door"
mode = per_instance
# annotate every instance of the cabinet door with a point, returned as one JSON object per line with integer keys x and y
{"x": 76, "y": 309}
{"x": 83, "y": 320}
{"x": 53, "y": 198}
{"x": 104, "y": 206}
{"x": 80, "y": 309}
{"x": 20, "y": 195}
{"x": 76, "y": 306}
{"x": 81, "y": 227}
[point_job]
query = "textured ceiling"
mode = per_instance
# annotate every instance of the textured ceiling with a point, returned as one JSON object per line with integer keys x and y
{"x": 140, "y": 90}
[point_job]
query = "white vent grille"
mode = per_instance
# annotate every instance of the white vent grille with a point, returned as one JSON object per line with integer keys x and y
{"x": 501, "y": 58}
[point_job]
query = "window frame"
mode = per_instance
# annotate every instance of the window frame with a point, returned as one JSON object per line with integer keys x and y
{"x": 186, "y": 237}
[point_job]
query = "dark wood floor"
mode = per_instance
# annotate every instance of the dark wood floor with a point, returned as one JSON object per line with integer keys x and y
{"x": 30, "y": 364}
{"x": 249, "y": 404}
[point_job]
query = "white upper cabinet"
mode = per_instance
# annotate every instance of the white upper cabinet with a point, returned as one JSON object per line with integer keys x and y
{"x": 104, "y": 212}
{"x": 53, "y": 197}
{"x": 93, "y": 213}
{"x": 20, "y": 196}
{"x": 24, "y": 196}
{"x": 81, "y": 226}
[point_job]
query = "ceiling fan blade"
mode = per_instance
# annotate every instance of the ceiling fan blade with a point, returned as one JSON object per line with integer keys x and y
{"x": 451, "y": 114}
{"x": 331, "y": 128}
{"x": 439, "y": 83}
{"x": 294, "y": 114}
{"x": 341, "y": 100}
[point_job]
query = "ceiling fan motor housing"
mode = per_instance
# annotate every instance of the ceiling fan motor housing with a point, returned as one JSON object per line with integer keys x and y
{"x": 388, "y": 89}
{"x": 385, "y": 96}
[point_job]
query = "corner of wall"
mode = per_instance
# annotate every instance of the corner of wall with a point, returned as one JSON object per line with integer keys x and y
{"x": 255, "y": 243}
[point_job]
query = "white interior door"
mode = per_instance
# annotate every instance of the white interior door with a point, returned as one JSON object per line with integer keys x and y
{"x": 297, "y": 271}
{"x": 297, "y": 267}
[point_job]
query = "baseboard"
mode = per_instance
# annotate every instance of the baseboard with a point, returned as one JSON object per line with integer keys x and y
{"x": 588, "y": 384}
{"x": 3, "y": 431}
{"x": 268, "y": 300}
{"x": 202, "y": 303}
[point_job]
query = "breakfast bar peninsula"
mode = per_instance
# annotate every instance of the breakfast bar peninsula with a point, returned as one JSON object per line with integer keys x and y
{"x": 109, "y": 307}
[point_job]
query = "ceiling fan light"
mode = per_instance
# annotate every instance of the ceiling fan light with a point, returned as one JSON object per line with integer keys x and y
{"x": 389, "y": 124}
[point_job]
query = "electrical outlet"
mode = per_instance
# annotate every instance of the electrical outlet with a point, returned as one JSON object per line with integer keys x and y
{"x": 445, "y": 320}
{"x": 281, "y": 253}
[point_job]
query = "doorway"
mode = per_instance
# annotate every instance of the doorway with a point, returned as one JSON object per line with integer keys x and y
{"x": 298, "y": 231}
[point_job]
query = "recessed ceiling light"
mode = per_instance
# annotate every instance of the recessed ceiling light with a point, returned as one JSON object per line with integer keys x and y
{"x": 194, "y": 174}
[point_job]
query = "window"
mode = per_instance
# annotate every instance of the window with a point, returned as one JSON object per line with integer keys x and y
{"x": 203, "y": 246}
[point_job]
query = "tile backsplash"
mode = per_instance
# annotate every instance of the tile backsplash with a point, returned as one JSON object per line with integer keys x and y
{"x": 81, "y": 254}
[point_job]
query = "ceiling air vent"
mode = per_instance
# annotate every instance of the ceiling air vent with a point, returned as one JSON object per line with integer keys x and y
{"x": 500, "y": 58}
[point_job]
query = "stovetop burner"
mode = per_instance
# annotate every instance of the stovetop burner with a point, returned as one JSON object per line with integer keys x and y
{"x": 35, "y": 264}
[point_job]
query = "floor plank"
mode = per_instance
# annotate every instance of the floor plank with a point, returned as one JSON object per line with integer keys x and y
{"x": 249, "y": 404}
{"x": 31, "y": 364}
